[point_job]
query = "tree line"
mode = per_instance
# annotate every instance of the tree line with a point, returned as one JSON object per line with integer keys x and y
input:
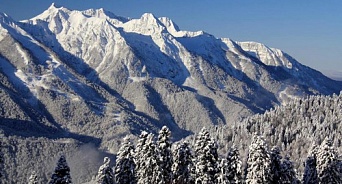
{"x": 162, "y": 162}
{"x": 298, "y": 128}
{"x": 293, "y": 127}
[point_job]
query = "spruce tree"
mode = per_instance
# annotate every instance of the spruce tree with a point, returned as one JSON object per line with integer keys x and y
{"x": 275, "y": 164}
{"x": 33, "y": 179}
{"x": 234, "y": 172}
{"x": 125, "y": 166}
{"x": 61, "y": 174}
{"x": 147, "y": 163}
{"x": 182, "y": 164}
{"x": 327, "y": 163}
{"x": 105, "y": 174}
{"x": 164, "y": 147}
{"x": 310, "y": 171}
{"x": 287, "y": 173}
{"x": 206, "y": 166}
{"x": 222, "y": 177}
{"x": 258, "y": 162}
{"x": 139, "y": 153}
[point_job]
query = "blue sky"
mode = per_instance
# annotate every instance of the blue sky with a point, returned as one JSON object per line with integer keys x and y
{"x": 310, "y": 31}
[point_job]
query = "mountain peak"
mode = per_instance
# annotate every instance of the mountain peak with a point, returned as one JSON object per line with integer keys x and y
{"x": 269, "y": 56}
{"x": 52, "y": 11}
{"x": 148, "y": 17}
{"x": 55, "y": 6}
{"x": 102, "y": 13}
{"x": 169, "y": 24}
{"x": 147, "y": 24}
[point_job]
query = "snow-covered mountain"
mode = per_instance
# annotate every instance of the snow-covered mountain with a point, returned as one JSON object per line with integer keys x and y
{"x": 71, "y": 77}
{"x": 99, "y": 75}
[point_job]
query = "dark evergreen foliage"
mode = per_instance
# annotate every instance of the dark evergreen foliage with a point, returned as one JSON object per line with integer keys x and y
{"x": 310, "y": 172}
{"x": 61, "y": 174}
{"x": 275, "y": 164}
{"x": 234, "y": 166}
{"x": 287, "y": 173}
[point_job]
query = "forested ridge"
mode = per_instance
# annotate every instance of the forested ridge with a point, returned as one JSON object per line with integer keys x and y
{"x": 299, "y": 142}
{"x": 293, "y": 127}
{"x": 160, "y": 161}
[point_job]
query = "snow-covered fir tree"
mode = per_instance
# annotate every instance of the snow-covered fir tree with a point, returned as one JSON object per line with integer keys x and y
{"x": 182, "y": 164}
{"x": 125, "y": 166}
{"x": 223, "y": 171}
{"x": 287, "y": 173}
{"x": 258, "y": 162}
{"x": 147, "y": 161}
{"x": 206, "y": 165}
{"x": 33, "y": 179}
{"x": 275, "y": 164}
{"x": 327, "y": 163}
{"x": 105, "y": 174}
{"x": 234, "y": 166}
{"x": 140, "y": 152}
{"x": 310, "y": 171}
{"x": 164, "y": 148}
{"x": 61, "y": 174}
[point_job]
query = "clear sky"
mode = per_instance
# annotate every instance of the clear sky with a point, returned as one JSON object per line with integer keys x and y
{"x": 310, "y": 31}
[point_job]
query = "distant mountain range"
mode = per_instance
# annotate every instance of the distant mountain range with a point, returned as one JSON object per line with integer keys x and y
{"x": 94, "y": 76}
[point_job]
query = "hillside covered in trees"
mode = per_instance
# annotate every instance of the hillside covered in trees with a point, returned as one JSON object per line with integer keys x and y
{"x": 294, "y": 127}
{"x": 299, "y": 142}
{"x": 158, "y": 161}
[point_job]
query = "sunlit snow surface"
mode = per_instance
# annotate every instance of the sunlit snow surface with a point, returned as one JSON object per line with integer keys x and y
{"x": 147, "y": 47}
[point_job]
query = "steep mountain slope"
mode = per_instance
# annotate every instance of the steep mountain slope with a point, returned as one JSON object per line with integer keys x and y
{"x": 92, "y": 76}
{"x": 104, "y": 67}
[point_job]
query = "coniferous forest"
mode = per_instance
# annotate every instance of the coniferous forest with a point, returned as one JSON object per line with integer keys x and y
{"x": 299, "y": 142}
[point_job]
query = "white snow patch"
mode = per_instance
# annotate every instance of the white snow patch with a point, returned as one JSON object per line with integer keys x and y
{"x": 3, "y": 33}
{"x": 286, "y": 96}
{"x": 192, "y": 83}
{"x": 117, "y": 116}
{"x": 32, "y": 82}
{"x": 64, "y": 141}
{"x": 22, "y": 53}
{"x": 137, "y": 79}
{"x": 269, "y": 56}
